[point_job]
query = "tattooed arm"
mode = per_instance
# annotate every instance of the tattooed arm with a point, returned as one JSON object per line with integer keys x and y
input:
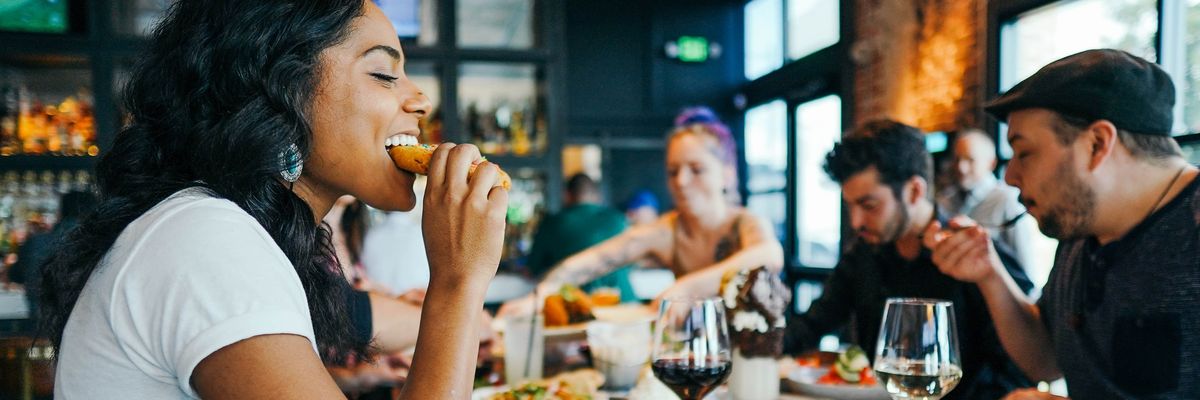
{"x": 759, "y": 248}
{"x": 583, "y": 267}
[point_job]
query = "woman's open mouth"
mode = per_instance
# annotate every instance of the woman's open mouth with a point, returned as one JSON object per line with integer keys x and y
{"x": 399, "y": 139}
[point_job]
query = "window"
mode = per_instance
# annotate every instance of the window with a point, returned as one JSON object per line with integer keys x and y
{"x": 1039, "y": 36}
{"x": 812, "y": 26}
{"x": 500, "y": 105}
{"x": 764, "y": 37}
{"x": 1181, "y": 58}
{"x": 1060, "y": 29}
{"x": 795, "y": 28}
{"x": 785, "y": 145}
{"x": 505, "y": 24}
{"x": 766, "y": 157}
{"x": 819, "y": 199}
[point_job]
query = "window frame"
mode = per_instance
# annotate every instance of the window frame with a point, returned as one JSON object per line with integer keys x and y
{"x": 1001, "y": 13}
{"x": 828, "y": 71}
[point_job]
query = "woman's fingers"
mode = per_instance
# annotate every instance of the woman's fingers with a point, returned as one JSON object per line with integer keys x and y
{"x": 437, "y": 165}
{"x": 458, "y": 167}
{"x": 486, "y": 176}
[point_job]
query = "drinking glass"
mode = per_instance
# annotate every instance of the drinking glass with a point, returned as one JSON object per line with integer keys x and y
{"x": 691, "y": 350}
{"x": 917, "y": 354}
{"x": 524, "y": 348}
{"x": 620, "y": 350}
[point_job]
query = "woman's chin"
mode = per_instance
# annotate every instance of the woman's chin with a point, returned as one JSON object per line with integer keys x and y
{"x": 403, "y": 199}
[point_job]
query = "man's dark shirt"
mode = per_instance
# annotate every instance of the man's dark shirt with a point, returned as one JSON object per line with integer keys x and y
{"x": 868, "y": 275}
{"x": 1125, "y": 317}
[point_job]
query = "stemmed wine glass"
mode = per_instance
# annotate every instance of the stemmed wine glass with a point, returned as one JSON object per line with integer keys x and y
{"x": 691, "y": 346}
{"x": 917, "y": 353}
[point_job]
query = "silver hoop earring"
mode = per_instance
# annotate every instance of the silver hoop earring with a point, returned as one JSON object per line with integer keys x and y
{"x": 292, "y": 164}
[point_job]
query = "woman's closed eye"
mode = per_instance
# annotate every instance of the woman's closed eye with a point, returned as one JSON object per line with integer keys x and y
{"x": 385, "y": 78}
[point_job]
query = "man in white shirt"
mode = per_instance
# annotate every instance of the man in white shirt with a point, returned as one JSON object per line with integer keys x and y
{"x": 977, "y": 193}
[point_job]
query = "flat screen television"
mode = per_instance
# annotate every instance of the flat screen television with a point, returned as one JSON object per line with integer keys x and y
{"x": 404, "y": 14}
{"x": 44, "y": 16}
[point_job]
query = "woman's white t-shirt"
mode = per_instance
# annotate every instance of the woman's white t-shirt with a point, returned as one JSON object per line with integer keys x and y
{"x": 187, "y": 278}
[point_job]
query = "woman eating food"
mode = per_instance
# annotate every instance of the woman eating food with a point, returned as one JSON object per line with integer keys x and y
{"x": 204, "y": 272}
{"x": 705, "y": 236}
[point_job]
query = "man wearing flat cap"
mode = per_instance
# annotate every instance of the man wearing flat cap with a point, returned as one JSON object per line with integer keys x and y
{"x": 1096, "y": 165}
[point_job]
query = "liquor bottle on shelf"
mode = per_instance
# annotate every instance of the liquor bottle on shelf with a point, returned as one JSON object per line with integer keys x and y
{"x": 471, "y": 117}
{"x": 518, "y": 133}
{"x": 48, "y": 199}
{"x": 28, "y": 125}
{"x": 539, "y": 131}
{"x": 8, "y": 194}
{"x": 83, "y": 181}
{"x": 30, "y": 203}
{"x": 10, "y": 112}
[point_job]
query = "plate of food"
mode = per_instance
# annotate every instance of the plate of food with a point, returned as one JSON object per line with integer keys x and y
{"x": 569, "y": 310}
{"x": 849, "y": 376}
{"x": 576, "y": 385}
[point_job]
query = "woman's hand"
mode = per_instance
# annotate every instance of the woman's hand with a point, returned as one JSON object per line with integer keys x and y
{"x": 683, "y": 288}
{"x": 463, "y": 221}
{"x": 463, "y": 224}
{"x": 523, "y": 305}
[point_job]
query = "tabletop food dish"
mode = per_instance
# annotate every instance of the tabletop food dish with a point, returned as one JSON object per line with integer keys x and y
{"x": 576, "y": 385}
{"x": 848, "y": 376}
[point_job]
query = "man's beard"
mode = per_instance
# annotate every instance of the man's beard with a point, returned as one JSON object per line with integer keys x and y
{"x": 1070, "y": 217}
{"x": 892, "y": 232}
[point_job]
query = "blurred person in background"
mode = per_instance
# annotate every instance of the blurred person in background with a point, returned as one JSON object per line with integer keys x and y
{"x": 976, "y": 193}
{"x": 398, "y": 233}
{"x": 349, "y": 221}
{"x": 701, "y": 240}
{"x": 581, "y": 223}
{"x": 642, "y": 208}
{"x": 27, "y": 270}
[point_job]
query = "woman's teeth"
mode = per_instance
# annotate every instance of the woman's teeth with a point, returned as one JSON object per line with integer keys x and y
{"x": 400, "y": 140}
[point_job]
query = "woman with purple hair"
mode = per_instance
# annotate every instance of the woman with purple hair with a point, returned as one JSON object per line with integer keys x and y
{"x": 701, "y": 118}
{"x": 705, "y": 236}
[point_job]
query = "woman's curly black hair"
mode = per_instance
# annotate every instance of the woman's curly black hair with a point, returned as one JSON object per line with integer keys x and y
{"x": 896, "y": 150}
{"x": 225, "y": 87}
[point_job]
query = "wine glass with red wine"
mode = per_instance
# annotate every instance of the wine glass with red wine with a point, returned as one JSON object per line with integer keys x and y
{"x": 691, "y": 346}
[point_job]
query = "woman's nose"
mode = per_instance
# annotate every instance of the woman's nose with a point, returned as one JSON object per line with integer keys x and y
{"x": 418, "y": 103}
{"x": 681, "y": 178}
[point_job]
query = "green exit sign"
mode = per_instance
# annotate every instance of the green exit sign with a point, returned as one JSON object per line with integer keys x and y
{"x": 692, "y": 48}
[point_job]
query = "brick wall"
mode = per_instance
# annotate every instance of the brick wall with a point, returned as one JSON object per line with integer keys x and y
{"x": 920, "y": 61}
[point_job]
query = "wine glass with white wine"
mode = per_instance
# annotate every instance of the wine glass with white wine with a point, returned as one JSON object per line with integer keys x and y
{"x": 917, "y": 354}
